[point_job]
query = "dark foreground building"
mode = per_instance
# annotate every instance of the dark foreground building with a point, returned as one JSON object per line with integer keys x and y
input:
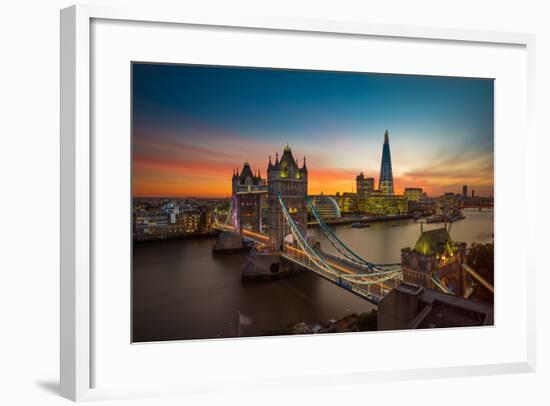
{"x": 411, "y": 306}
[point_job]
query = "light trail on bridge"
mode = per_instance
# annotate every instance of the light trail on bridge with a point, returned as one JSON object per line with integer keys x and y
{"x": 227, "y": 226}
{"x": 347, "y": 271}
{"x": 357, "y": 273}
{"x": 261, "y": 236}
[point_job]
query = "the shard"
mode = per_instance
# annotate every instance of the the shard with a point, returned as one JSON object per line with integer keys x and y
{"x": 385, "y": 183}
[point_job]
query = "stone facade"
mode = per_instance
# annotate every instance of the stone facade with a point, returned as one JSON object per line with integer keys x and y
{"x": 286, "y": 179}
{"x": 435, "y": 254}
{"x": 248, "y": 194}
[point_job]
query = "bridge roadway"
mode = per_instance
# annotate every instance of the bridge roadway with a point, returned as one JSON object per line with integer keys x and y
{"x": 252, "y": 235}
{"x": 345, "y": 266}
{"x": 258, "y": 237}
{"x": 372, "y": 291}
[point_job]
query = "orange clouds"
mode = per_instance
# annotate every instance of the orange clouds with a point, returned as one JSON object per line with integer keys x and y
{"x": 182, "y": 188}
{"x": 331, "y": 180}
{"x": 165, "y": 165}
{"x": 449, "y": 172}
{"x": 154, "y": 176}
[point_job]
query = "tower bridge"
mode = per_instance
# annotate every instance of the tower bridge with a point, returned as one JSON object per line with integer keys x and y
{"x": 282, "y": 242}
{"x": 284, "y": 199}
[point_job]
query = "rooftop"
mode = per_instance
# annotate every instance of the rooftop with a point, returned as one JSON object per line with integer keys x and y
{"x": 434, "y": 241}
{"x": 410, "y": 288}
{"x": 441, "y": 314}
{"x": 287, "y": 165}
{"x": 247, "y": 174}
{"x": 438, "y": 309}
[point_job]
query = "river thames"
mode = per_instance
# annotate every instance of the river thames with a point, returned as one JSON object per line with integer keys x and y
{"x": 181, "y": 291}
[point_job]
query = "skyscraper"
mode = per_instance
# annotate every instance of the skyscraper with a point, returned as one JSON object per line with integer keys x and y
{"x": 465, "y": 191}
{"x": 385, "y": 183}
{"x": 364, "y": 186}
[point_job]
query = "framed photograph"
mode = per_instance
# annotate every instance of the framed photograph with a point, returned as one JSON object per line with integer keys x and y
{"x": 241, "y": 196}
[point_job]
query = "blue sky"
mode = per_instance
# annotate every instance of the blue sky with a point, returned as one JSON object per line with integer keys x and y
{"x": 190, "y": 117}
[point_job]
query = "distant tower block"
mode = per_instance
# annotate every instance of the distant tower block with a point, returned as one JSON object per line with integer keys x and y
{"x": 364, "y": 186}
{"x": 385, "y": 183}
{"x": 286, "y": 178}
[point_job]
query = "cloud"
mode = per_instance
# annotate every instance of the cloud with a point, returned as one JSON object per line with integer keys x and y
{"x": 449, "y": 172}
{"x": 187, "y": 162}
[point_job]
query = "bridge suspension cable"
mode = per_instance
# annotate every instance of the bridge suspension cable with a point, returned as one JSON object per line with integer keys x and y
{"x": 343, "y": 249}
{"x": 366, "y": 278}
{"x": 334, "y": 240}
{"x": 226, "y": 224}
{"x": 303, "y": 244}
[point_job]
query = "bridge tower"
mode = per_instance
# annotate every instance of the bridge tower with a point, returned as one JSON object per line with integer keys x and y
{"x": 248, "y": 194}
{"x": 287, "y": 179}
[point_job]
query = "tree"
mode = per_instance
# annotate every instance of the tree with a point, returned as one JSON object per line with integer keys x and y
{"x": 482, "y": 259}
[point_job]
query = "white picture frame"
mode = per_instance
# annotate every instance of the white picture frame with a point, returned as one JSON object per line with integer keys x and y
{"x": 77, "y": 356}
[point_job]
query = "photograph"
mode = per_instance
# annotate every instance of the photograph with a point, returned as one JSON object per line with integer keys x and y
{"x": 279, "y": 202}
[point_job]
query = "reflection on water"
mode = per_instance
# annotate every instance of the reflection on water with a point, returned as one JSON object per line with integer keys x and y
{"x": 180, "y": 291}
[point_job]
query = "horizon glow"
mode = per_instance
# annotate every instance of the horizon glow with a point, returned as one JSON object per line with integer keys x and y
{"x": 193, "y": 125}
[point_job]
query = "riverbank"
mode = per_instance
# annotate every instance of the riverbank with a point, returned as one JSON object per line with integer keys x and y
{"x": 176, "y": 237}
{"x": 353, "y": 322}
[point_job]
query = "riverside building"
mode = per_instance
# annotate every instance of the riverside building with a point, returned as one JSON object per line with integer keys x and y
{"x": 435, "y": 261}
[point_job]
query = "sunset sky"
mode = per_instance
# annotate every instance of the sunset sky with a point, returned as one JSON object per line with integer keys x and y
{"x": 192, "y": 125}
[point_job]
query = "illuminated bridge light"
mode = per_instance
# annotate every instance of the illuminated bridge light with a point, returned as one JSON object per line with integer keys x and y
{"x": 254, "y": 234}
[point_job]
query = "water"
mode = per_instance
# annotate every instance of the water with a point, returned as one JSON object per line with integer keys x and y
{"x": 382, "y": 243}
{"x": 180, "y": 291}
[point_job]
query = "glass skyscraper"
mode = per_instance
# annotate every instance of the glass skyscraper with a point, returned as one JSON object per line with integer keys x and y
{"x": 385, "y": 183}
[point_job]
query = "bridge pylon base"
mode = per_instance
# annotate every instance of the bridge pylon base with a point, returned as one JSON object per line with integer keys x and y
{"x": 265, "y": 266}
{"x": 228, "y": 243}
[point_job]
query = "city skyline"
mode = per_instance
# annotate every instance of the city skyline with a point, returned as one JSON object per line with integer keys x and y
{"x": 194, "y": 125}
